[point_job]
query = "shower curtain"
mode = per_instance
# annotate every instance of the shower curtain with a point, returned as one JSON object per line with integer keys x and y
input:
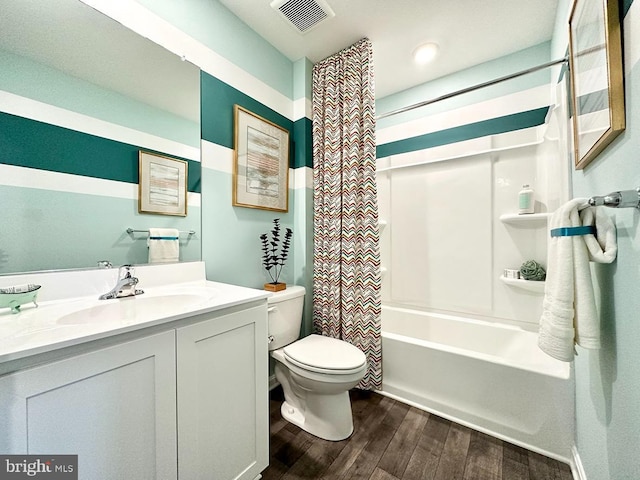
{"x": 346, "y": 255}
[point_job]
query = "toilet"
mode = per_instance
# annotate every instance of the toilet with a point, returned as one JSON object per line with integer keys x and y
{"x": 315, "y": 372}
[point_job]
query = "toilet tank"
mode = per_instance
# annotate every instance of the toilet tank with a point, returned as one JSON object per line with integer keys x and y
{"x": 285, "y": 316}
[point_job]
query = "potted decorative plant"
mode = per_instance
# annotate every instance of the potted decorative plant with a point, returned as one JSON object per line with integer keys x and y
{"x": 274, "y": 255}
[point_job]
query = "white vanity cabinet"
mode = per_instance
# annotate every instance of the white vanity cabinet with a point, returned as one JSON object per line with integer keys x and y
{"x": 114, "y": 407}
{"x": 188, "y": 400}
{"x": 223, "y": 405}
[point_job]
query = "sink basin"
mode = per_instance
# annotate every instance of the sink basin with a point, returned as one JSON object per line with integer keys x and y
{"x": 134, "y": 309}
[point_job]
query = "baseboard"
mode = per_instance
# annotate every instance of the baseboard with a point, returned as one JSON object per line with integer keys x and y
{"x": 273, "y": 383}
{"x": 576, "y": 465}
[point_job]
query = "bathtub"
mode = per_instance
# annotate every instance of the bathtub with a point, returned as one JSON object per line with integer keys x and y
{"x": 490, "y": 377}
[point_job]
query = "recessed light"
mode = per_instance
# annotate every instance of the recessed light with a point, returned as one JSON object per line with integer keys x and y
{"x": 425, "y": 53}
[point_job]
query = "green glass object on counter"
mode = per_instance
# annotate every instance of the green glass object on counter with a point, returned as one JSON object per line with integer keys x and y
{"x": 15, "y": 297}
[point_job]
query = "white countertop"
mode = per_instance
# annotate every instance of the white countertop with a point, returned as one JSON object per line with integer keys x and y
{"x": 62, "y": 322}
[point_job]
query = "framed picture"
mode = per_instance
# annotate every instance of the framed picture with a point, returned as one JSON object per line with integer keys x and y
{"x": 162, "y": 188}
{"x": 261, "y": 163}
{"x": 597, "y": 77}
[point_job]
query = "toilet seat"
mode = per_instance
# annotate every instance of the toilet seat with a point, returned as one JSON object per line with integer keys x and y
{"x": 320, "y": 354}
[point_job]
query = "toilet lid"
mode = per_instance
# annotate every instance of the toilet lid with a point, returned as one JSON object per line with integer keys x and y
{"x": 319, "y": 353}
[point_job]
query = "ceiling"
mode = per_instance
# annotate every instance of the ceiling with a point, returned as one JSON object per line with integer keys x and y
{"x": 469, "y": 32}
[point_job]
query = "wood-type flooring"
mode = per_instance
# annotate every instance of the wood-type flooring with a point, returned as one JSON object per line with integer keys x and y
{"x": 393, "y": 441}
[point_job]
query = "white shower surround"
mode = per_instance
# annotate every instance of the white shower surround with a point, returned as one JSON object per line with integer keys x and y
{"x": 487, "y": 376}
{"x": 456, "y": 340}
{"x": 444, "y": 247}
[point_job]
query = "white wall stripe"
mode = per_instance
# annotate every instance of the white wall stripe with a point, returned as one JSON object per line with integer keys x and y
{"x": 302, "y": 108}
{"x": 14, "y": 176}
{"x": 464, "y": 149}
{"x": 219, "y": 158}
{"x": 43, "y": 112}
{"x": 514, "y": 103}
{"x": 302, "y": 178}
{"x": 146, "y": 23}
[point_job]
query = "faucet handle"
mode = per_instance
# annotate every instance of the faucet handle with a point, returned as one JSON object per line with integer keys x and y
{"x": 104, "y": 264}
{"x": 126, "y": 271}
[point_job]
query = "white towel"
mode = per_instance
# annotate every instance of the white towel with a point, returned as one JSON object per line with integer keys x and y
{"x": 569, "y": 314}
{"x": 164, "y": 245}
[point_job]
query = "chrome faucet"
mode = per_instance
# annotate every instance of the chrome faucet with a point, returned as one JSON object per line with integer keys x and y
{"x": 126, "y": 286}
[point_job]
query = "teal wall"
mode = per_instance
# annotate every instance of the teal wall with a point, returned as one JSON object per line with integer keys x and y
{"x": 29, "y": 143}
{"x": 607, "y": 380}
{"x": 466, "y": 78}
{"x": 74, "y": 194}
{"x": 231, "y": 247}
{"x": 466, "y": 128}
{"x": 27, "y": 78}
{"x": 56, "y": 229}
{"x": 212, "y": 24}
{"x": 467, "y": 131}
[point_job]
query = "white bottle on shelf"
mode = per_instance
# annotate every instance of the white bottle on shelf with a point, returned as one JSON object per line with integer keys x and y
{"x": 525, "y": 200}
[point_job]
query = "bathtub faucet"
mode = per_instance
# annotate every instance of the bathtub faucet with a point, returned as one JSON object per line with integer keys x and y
{"x": 126, "y": 285}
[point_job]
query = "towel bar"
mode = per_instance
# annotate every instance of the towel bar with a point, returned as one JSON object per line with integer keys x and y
{"x": 131, "y": 230}
{"x": 621, "y": 199}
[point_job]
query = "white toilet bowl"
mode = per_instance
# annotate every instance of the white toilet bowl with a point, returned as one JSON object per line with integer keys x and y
{"x": 317, "y": 395}
{"x": 315, "y": 372}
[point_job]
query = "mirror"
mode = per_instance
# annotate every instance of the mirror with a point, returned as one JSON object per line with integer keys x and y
{"x": 80, "y": 96}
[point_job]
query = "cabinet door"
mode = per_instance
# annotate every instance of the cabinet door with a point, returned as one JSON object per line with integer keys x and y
{"x": 223, "y": 424}
{"x": 115, "y": 408}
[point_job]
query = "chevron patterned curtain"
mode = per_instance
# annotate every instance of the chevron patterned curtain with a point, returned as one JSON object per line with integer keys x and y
{"x": 346, "y": 255}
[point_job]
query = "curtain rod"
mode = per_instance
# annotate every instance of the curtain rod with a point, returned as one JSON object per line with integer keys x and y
{"x": 472, "y": 88}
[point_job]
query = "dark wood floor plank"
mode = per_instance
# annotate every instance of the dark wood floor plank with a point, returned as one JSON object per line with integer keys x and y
{"x": 541, "y": 467}
{"x": 386, "y": 437}
{"x": 379, "y": 474}
{"x": 275, "y": 471}
{"x": 565, "y": 470}
{"x": 363, "y": 428}
{"x": 454, "y": 454}
{"x": 291, "y": 451}
{"x": 396, "y": 414}
{"x": 484, "y": 458}
{"x": 276, "y": 422}
{"x": 362, "y": 401}
{"x": 279, "y": 440}
{"x": 515, "y": 462}
{"x": 364, "y": 465}
{"x": 397, "y": 455}
{"x": 315, "y": 460}
{"x": 424, "y": 460}
{"x": 514, "y": 470}
{"x": 515, "y": 453}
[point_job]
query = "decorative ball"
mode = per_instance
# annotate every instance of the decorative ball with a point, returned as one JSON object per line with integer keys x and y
{"x": 532, "y": 270}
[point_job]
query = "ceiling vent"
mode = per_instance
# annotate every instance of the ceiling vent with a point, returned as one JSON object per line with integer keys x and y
{"x": 304, "y": 15}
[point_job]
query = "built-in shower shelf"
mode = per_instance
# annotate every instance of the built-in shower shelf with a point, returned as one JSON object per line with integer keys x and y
{"x": 529, "y": 285}
{"x": 525, "y": 220}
